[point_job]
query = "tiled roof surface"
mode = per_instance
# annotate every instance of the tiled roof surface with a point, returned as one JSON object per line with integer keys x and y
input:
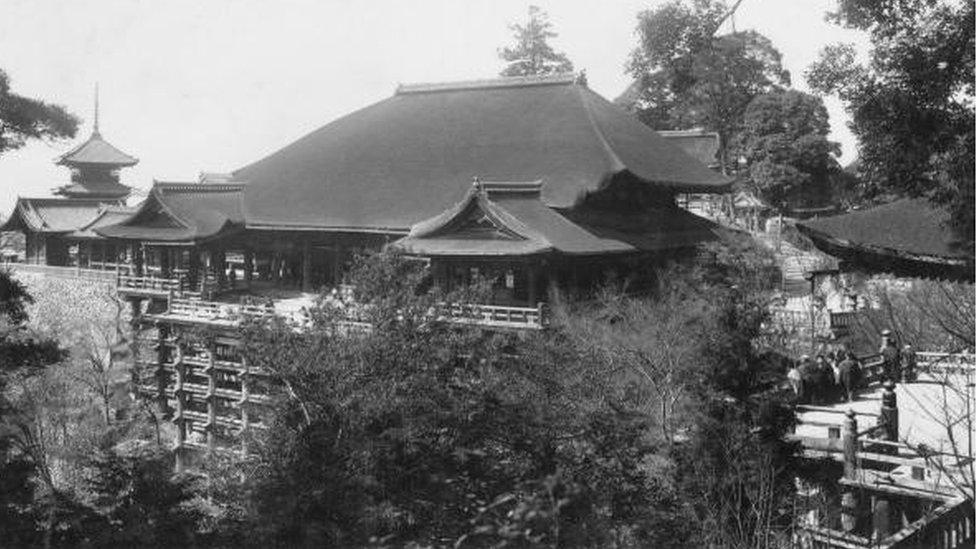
{"x": 408, "y": 158}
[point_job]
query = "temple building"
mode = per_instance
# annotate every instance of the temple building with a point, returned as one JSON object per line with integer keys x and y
{"x": 906, "y": 238}
{"x": 568, "y": 188}
{"x": 61, "y": 231}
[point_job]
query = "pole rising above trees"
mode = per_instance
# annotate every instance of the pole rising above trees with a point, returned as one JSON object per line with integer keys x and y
{"x": 689, "y": 77}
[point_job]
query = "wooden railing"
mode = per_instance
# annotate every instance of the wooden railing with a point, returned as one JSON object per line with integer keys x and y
{"x": 60, "y": 272}
{"x": 211, "y": 312}
{"x": 950, "y": 526}
{"x": 494, "y": 315}
{"x": 841, "y": 323}
{"x": 877, "y": 463}
{"x": 148, "y": 285}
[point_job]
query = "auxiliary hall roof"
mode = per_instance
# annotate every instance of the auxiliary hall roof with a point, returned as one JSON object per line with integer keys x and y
{"x": 497, "y": 218}
{"x": 52, "y": 215}
{"x": 408, "y": 158}
{"x": 182, "y": 212}
{"x": 908, "y": 237}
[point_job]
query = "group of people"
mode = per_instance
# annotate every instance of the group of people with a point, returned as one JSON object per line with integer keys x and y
{"x": 837, "y": 375}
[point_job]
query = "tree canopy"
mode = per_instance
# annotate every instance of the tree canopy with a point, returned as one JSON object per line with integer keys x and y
{"x": 23, "y": 118}
{"x": 531, "y": 54}
{"x": 783, "y": 140}
{"x": 912, "y": 101}
{"x": 691, "y": 77}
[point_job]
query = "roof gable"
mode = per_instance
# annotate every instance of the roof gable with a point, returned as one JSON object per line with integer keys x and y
{"x": 498, "y": 218}
{"x": 182, "y": 212}
{"x": 52, "y": 215}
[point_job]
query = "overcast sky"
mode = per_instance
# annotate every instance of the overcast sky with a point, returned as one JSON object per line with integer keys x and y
{"x": 190, "y": 86}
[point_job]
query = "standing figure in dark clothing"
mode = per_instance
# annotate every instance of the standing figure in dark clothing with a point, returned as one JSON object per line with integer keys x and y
{"x": 850, "y": 374}
{"x": 890, "y": 357}
{"x": 824, "y": 380}
{"x": 808, "y": 375}
{"x": 909, "y": 364}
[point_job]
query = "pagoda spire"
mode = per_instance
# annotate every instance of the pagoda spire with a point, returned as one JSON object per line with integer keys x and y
{"x": 95, "y": 126}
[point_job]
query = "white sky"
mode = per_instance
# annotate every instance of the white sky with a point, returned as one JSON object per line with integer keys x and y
{"x": 190, "y": 86}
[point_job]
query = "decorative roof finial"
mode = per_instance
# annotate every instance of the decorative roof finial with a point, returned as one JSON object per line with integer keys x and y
{"x": 581, "y": 78}
{"x": 95, "y": 126}
{"x": 476, "y": 183}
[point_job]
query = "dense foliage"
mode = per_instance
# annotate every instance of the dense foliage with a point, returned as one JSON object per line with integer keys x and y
{"x": 912, "y": 101}
{"x": 23, "y": 118}
{"x": 783, "y": 142}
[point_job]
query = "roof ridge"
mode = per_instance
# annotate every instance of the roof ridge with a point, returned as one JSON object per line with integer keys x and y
{"x": 530, "y": 187}
{"x": 198, "y": 187}
{"x": 616, "y": 164}
{"x": 488, "y": 83}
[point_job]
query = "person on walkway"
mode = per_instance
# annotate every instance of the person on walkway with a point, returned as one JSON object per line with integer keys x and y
{"x": 850, "y": 374}
{"x": 808, "y": 375}
{"x": 909, "y": 364}
{"x": 824, "y": 380}
{"x": 890, "y": 357}
{"x": 833, "y": 359}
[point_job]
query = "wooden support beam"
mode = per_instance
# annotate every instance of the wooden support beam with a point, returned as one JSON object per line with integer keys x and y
{"x": 306, "y": 266}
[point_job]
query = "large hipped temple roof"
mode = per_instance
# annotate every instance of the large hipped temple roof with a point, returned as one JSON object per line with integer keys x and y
{"x": 409, "y": 157}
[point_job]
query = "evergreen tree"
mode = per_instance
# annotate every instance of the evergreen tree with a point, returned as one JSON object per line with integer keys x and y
{"x": 532, "y": 54}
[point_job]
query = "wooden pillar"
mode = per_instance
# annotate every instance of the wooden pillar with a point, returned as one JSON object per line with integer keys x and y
{"x": 276, "y": 268}
{"x": 136, "y": 251}
{"x": 220, "y": 264}
{"x": 885, "y": 512}
{"x": 193, "y": 269}
{"x": 336, "y": 264}
{"x": 165, "y": 269}
{"x": 532, "y": 272}
{"x": 848, "y": 502}
{"x": 211, "y": 400}
{"x": 889, "y": 415}
{"x": 245, "y": 416}
{"x": 162, "y": 357}
{"x": 248, "y": 267}
{"x": 180, "y": 420}
{"x": 306, "y": 266}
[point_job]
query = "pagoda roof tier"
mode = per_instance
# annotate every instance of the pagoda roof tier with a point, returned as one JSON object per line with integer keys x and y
{"x": 907, "y": 237}
{"x": 52, "y": 215}
{"x": 96, "y": 152}
{"x": 187, "y": 213}
{"x": 103, "y": 190}
{"x": 510, "y": 219}
{"x": 407, "y": 158}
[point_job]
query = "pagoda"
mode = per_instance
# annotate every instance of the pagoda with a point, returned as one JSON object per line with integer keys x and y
{"x": 95, "y": 166}
{"x": 60, "y": 231}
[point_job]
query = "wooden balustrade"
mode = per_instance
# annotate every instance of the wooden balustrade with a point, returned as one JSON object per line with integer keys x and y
{"x": 877, "y": 463}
